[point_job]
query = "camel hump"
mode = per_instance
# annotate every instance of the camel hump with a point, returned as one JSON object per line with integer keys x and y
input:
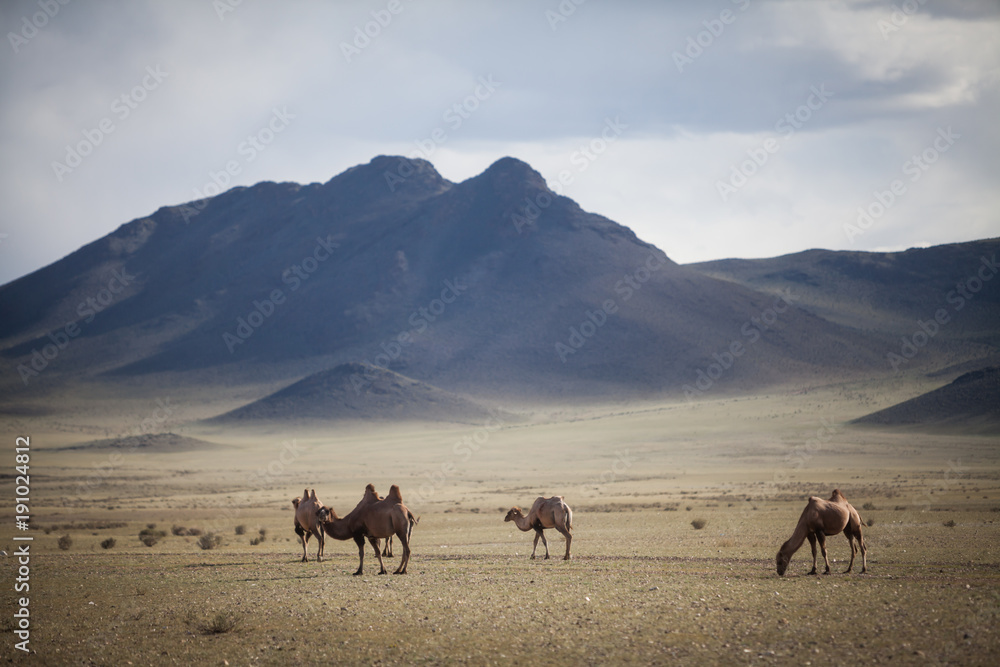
{"x": 394, "y": 494}
{"x": 305, "y": 494}
{"x": 312, "y": 496}
{"x": 837, "y": 495}
{"x": 370, "y": 488}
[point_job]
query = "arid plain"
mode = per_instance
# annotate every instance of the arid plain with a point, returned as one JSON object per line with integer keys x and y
{"x": 645, "y": 586}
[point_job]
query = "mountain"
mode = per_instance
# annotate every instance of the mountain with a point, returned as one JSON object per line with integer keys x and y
{"x": 357, "y": 392}
{"x": 494, "y": 286}
{"x": 970, "y": 404}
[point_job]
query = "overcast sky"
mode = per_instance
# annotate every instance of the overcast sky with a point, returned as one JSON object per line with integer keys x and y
{"x": 712, "y": 129}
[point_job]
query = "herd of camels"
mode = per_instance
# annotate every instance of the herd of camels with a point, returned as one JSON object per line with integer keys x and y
{"x": 377, "y": 518}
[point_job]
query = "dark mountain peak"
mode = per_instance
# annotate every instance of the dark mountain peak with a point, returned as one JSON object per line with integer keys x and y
{"x": 509, "y": 172}
{"x": 392, "y": 175}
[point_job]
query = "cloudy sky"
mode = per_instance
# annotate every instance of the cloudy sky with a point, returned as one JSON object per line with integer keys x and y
{"x": 742, "y": 128}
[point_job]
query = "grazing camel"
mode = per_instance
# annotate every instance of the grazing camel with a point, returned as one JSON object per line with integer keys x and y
{"x": 356, "y": 526}
{"x": 310, "y": 514}
{"x": 545, "y": 513}
{"x": 822, "y": 518}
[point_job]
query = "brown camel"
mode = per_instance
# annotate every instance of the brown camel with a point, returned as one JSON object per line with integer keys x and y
{"x": 820, "y": 519}
{"x": 545, "y": 513}
{"x": 310, "y": 514}
{"x": 360, "y": 523}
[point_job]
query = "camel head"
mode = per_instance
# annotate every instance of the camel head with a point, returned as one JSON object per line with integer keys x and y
{"x": 323, "y": 514}
{"x": 781, "y": 560}
{"x": 514, "y": 513}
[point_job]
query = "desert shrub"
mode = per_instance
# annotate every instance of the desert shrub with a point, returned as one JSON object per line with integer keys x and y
{"x": 950, "y": 523}
{"x": 870, "y": 522}
{"x": 178, "y": 530}
{"x": 65, "y": 542}
{"x": 150, "y": 536}
{"x": 899, "y": 508}
{"x": 194, "y": 532}
{"x": 241, "y": 529}
{"x": 699, "y": 524}
{"x": 221, "y": 623}
{"x": 209, "y": 541}
{"x": 108, "y": 543}
{"x": 869, "y": 506}
{"x": 688, "y": 508}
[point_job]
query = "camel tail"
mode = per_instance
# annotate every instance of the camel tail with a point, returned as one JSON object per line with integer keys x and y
{"x": 569, "y": 516}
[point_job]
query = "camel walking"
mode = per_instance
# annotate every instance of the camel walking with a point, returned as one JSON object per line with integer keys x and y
{"x": 310, "y": 514}
{"x": 545, "y": 513}
{"x": 820, "y": 519}
{"x": 368, "y": 519}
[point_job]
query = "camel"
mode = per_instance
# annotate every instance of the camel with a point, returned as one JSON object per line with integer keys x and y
{"x": 820, "y": 519}
{"x": 545, "y": 513}
{"x": 374, "y": 518}
{"x": 310, "y": 514}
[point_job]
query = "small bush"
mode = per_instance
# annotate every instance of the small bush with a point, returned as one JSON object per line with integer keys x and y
{"x": 209, "y": 541}
{"x": 179, "y": 530}
{"x": 194, "y": 532}
{"x": 689, "y": 508}
{"x": 869, "y": 506}
{"x": 221, "y": 623}
{"x": 151, "y": 526}
{"x": 150, "y": 536}
{"x": 699, "y": 524}
{"x": 108, "y": 543}
{"x": 950, "y": 523}
{"x": 65, "y": 542}
{"x": 870, "y": 522}
{"x": 241, "y": 529}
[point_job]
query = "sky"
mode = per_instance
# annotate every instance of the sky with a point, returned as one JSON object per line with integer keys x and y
{"x": 715, "y": 129}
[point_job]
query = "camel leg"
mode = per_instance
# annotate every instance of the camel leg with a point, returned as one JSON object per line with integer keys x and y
{"x": 319, "y": 538}
{"x": 360, "y": 541}
{"x": 850, "y": 540}
{"x": 822, "y": 546}
{"x": 569, "y": 540}
{"x": 305, "y": 541}
{"x": 864, "y": 552}
{"x": 378, "y": 552}
{"x": 812, "y": 543}
{"x": 405, "y": 560}
{"x": 387, "y": 551}
{"x": 539, "y": 533}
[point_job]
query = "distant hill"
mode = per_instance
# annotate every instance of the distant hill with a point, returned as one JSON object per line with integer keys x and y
{"x": 493, "y": 287}
{"x": 358, "y": 392}
{"x": 159, "y": 443}
{"x": 969, "y": 404}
